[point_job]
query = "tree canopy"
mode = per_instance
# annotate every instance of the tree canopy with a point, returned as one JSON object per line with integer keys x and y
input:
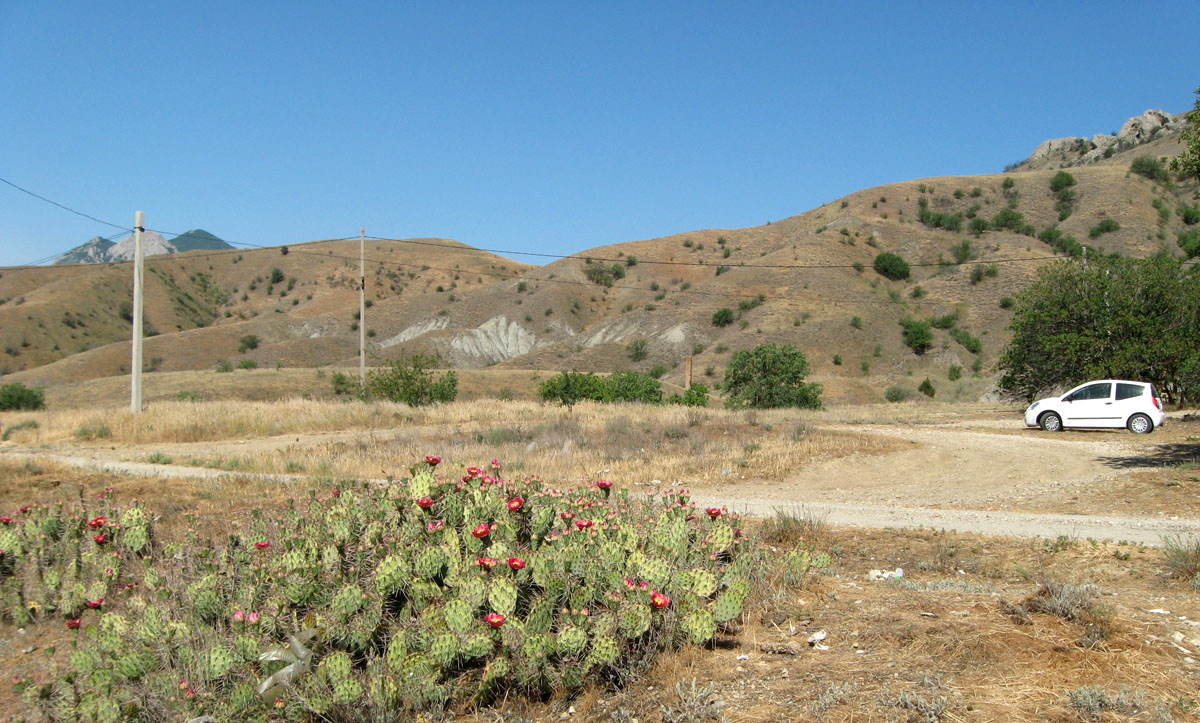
{"x": 1187, "y": 164}
{"x": 769, "y": 376}
{"x": 1093, "y": 318}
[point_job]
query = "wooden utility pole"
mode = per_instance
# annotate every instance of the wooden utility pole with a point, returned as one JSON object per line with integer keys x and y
{"x": 135, "y": 400}
{"x": 687, "y": 373}
{"x": 362, "y": 308}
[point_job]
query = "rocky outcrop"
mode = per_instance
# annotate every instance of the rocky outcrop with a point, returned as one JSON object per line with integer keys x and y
{"x": 1078, "y": 151}
{"x": 496, "y": 340}
{"x": 99, "y": 250}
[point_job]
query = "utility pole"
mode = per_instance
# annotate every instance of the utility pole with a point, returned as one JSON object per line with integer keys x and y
{"x": 135, "y": 401}
{"x": 362, "y": 308}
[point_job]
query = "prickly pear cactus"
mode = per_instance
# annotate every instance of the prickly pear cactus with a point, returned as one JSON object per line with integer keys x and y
{"x": 699, "y": 626}
{"x": 728, "y": 606}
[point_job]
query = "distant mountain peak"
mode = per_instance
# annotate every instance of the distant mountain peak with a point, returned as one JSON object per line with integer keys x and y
{"x": 100, "y": 250}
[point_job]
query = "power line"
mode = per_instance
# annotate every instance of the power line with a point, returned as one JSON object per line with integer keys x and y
{"x": 63, "y": 207}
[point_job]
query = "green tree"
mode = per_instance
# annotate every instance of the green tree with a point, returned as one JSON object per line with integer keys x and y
{"x": 569, "y": 388}
{"x": 695, "y": 396}
{"x": 248, "y": 342}
{"x": 770, "y": 376}
{"x": 633, "y": 386}
{"x": 1095, "y": 318}
{"x": 892, "y": 266}
{"x": 1187, "y": 164}
{"x": 638, "y": 349}
{"x": 1061, "y": 180}
{"x": 410, "y": 380}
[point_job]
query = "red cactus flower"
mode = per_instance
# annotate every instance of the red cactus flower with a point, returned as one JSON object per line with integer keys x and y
{"x": 425, "y": 503}
{"x": 714, "y": 512}
{"x": 474, "y": 472}
{"x": 97, "y": 522}
{"x": 583, "y": 524}
{"x": 568, "y": 515}
{"x": 487, "y": 563}
{"x": 516, "y": 503}
{"x": 100, "y": 539}
{"x": 488, "y": 480}
{"x": 495, "y": 463}
{"x": 239, "y": 616}
{"x": 435, "y": 526}
{"x": 93, "y": 604}
{"x": 25, "y": 508}
{"x": 494, "y": 619}
{"x": 336, "y": 493}
{"x": 262, "y": 544}
{"x": 252, "y": 618}
{"x": 5, "y": 520}
{"x": 658, "y": 600}
{"x": 481, "y": 530}
{"x": 74, "y": 623}
{"x": 516, "y": 563}
{"x": 432, "y": 460}
{"x": 604, "y": 484}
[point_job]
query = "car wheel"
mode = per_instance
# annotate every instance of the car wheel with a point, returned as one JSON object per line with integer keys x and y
{"x": 1051, "y": 422}
{"x": 1140, "y": 424}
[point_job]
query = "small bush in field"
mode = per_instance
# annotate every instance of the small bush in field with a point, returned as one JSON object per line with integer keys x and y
{"x": 18, "y": 396}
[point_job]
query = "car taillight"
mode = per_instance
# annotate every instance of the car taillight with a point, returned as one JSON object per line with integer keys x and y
{"x": 1157, "y": 404}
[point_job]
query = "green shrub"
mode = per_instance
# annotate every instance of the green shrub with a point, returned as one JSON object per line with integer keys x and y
{"x": 605, "y": 275}
{"x": 917, "y": 293}
{"x": 1189, "y": 241}
{"x": 695, "y": 396}
{"x": 955, "y": 373}
{"x": 633, "y": 386}
{"x": 277, "y": 276}
{"x": 18, "y": 396}
{"x": 917, "y": 335}
{"x": 1190, "y": 214}
{"x": 248, "y": 342}
{"x": 247, "y": 364}
{"x": 1006, "y": 302}
{"x": 345, "y": 385}
{"x": 962, "y": 252}
{"x": 224, "y": 365}
{"x": 770, "y": 376}
{"x": 1061, "y": 180}
{"x": 723, "y": 316}
{"x": 571, "y": 387}
{"x": 857, "y": 322}
{"x": 970, "y": 343}
{"x": 1150, "y": 167}
{"x": 410, "y": 380}
{"x": 1008, "y": 219}
{"x": 837, "y": 360}
{"x": 637, "y": 349}
{"x": 897, "y": 394}
{"x": 891, "y": 266}
{"x": 926, "y": 388}
{"x": 1107, "y": 225}
{"x": 944, "y": 322}
{"x": 933, "y": 219}
{"x": 1008, "y": 183}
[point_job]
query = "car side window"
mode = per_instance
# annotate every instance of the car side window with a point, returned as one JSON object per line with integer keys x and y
{"x": 1129, "y": 391}
{"x": 1103, "y": 390}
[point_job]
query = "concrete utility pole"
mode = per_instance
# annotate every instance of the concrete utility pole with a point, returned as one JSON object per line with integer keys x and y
{"x": 362, "y": 308}
{"x": 135, "y": 400}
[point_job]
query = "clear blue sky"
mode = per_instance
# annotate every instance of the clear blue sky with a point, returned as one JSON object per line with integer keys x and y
{"x": 551, "y": 127}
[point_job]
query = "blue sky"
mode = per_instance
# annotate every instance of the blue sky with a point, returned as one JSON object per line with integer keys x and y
{"x": 543, "y": 127}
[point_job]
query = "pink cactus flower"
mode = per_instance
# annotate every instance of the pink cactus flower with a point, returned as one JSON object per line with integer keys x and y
{"x": 481, "y": 530}
{"x": 715, "y": 512}
{"x": 6, "y": 520}
{"x": 435, "y": 525}
{"x": 252, "y": 618}
{"x": 74, "y": 623}
{"x": 239, "y": 616}
{"x": 487, "y": 563}
{"x": 473, "y": 472}
{"x": 433, "y": 460}
{"x": 604, "y": 484}
{"x": 97, "y": 522}
{"x": 93, "y": 604}
{"x": 425, "y": 503}
{"x": 516, "y": 563}
{"x": 516, "y": 503}
{"x": 494, "y": 619}
{"x": 262, "y": 544}
{"x": 659, "y": 600}
{"x": 100, "y": 539}
{"x": 495, "y": 464}
{"x": 583, "y": 524}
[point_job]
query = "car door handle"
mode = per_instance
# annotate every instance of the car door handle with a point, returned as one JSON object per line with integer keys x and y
{"x": 1107, "y": 403}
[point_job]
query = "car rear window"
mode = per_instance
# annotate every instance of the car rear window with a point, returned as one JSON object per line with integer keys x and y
{"x": 1129, "y": 391}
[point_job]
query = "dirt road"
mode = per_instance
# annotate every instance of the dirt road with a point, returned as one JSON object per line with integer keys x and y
{"x": 990, "y": 477}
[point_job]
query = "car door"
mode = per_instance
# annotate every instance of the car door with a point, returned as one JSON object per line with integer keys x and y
{"x": 1090, "y": 406}
{"x": 1130, "y": 399}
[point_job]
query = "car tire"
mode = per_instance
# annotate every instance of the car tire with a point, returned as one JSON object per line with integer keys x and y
{"x": 1140, "y": 424}
{"x": 1051, "y": 422}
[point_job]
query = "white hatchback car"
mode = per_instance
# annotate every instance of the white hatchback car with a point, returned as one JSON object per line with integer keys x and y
{"x": 1105, "y": 403}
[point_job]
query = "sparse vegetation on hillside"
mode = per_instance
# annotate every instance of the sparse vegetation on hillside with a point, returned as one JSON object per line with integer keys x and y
{"x": 917, "y": 335}
{"x": 1187, "y": 164}
{"x": 1150, "y": 167}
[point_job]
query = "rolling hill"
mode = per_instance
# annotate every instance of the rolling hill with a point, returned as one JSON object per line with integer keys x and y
{"x": 805, "y": 280}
